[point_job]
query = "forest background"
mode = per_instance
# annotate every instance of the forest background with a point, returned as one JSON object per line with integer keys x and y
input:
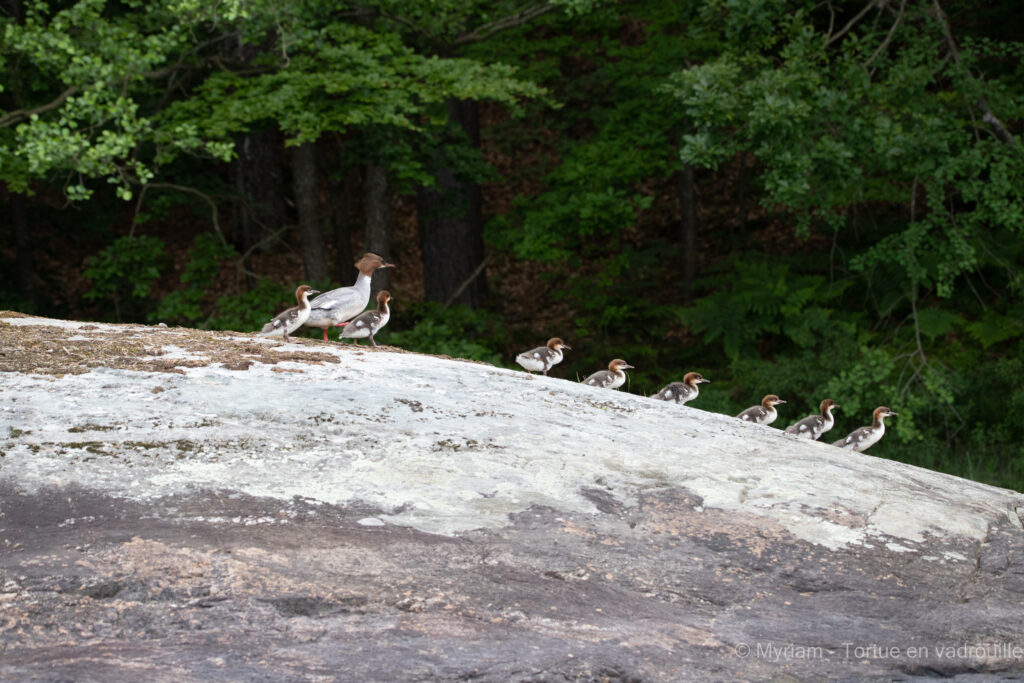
{"x": 814, "y": 199}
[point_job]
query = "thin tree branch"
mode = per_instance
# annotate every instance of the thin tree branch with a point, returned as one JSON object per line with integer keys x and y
{"x": 405, "y": 22}
{"x": 487, "y": 30}
{"x": 998, "y": 128}
{"x": 266, "y": 240}
{"x": 202, "y": 195}
{"x": 831, "y": 18}
{"x": 888, "y": 38}
{"x": 138, "y": 208}
{"x": 22, "y": 114}
{"x": 466, "y": 283}
{"x": 19, "y": 115}
{"x": 850, "y": 24}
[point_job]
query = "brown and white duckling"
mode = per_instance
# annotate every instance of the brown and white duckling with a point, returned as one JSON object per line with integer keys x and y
{"x": 865, "y": 437}
{"x": 813, "y": 426}
{"x": 368, "y": 323}
{"x": 336, "y": 307}
{"x": 612, "y": 378}
{"x": 682, "y": 392}
{"x": 543, "y": 358}
{"x": 292, "y": 319}
{"x": 763, "y": 414}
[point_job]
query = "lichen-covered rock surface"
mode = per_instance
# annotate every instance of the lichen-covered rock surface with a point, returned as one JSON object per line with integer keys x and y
{"x": 186, "y": 505}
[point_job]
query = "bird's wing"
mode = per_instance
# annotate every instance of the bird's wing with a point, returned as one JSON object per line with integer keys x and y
{"x": 801, "y": 426}
{"x": 281, "y": 317}
{"x": 336, "y": 298}
{"x": 367, "y": 319}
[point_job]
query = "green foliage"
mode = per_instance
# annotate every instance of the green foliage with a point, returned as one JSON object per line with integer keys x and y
{"x": 126, "y": 269}
{"x": 619, "y": 141}
{"x": 343, "y": 76}
{"x": 250, "y": 311}
{"x": 838, "y": 128}
{"x": 76, "y": 67}
{"x": 994, "y": 327}
{"x": 90, "y": 71}
{"x": 459, "y": 332}
{"x": 205, "y": 260}
{"x": 755, "y": 298}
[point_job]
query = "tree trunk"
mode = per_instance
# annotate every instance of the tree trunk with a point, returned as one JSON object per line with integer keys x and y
{"x": 312, "y": 217}
{"x": 260, "y": 183}
{"x": 341, "y": 233}
{"x": 451, "y": 226}
{"x": 260, "y": 215}
{"x": 687, "y": 226}
{"x": 377, "y": 190}
{"x": 23, "y": 249}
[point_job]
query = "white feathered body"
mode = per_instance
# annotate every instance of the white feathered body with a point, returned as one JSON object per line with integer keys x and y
{"x": 540, "y": 359}
{"x": 339, "y": 305}
{"x": 759, "y": 415}
{"x": 606, "y": 379}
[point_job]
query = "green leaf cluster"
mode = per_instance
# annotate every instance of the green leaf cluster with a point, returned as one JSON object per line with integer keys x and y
{"x": 125, "y": 270}
{"x": 187, "y": 305}
{"x": 458, "y": 331}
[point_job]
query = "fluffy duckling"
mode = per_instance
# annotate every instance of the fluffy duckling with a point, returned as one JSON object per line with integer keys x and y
{"x": 612, "y": 378}
{"x": 543, "y": 358}
{"x": 288, "y": 321}
{"x": 682, "y": 392}
{"x": 369, "y": 323}
{"x": 813, "y": 426}
{"x": 763, "y": 414}
{"x": 865, "y": 437}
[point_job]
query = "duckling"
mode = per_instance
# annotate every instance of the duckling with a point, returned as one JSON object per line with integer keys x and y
{"x": 763, "y": 414}
{"x": 863, "y": 438}
{"x": 612, "y": 378}
{"x": 813, "y": 426}
{"x": 288, "y": 321}
{"x": 369, "y": 323}
{"x": 543, "y": 358}
{"x": 682, "y": 392}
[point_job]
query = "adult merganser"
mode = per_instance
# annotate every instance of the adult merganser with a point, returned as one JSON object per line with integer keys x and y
{"x": 684, "y": 391}
{"x": 612, "y": 378}
{"x": 368, "y": 323}
{"x": 763, "y": 414}
{"x": 336, "y": 307}
{"x": 813, "y": 426}
{"x": 865, "y": 437}
{"x": 288, "y": 321}
{"x": 543, "y": 358}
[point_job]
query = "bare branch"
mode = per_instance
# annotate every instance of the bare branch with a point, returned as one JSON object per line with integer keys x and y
{"x": 998, "y": 128}
{"x": 18, "y": 115}
{"x": 202, "y": 195}
{"x": 487, "y": 30}
{"x": 405, "y": 22}
{"x": 465, "y": 283}
{"x": 888, "y": 38}
{"x": 853, "y": 22}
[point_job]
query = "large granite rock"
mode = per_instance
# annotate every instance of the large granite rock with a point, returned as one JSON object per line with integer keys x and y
{"x": 186, "y": 505}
